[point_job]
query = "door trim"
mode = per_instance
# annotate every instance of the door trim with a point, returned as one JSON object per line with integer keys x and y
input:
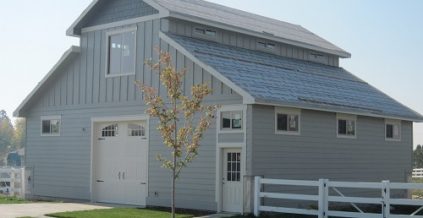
{"x": 94, "y": 121}
{"x": 220, "y": 146}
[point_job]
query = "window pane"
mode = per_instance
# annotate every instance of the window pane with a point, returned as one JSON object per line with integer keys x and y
{"x": 55, "y": 126}
{"x": 128, "y": 52}
{"x": 293, "y": 123}
{"x": 46, "y": 126}
{"x": 342, "y": 127}
{"x": 282, "y": 122}
{"x": 110, "y": 131}
{"x": 226, "y": 120}
{"x": 115, "y": 53}
{"x": 136, "y": 130}
{"x": 396, "y": 131}
{"x": 350, "y": 127}
{"x": 236, "y": 120}
{"x": 389, "y": 131}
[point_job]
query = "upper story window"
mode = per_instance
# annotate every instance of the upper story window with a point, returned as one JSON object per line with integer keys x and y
{"x": 50, "y": 125}
{"x": 393, "y": 130}
{"x": 266, "y": 45}
{"x": 205, "y": 31}
{"x": 121, "y": 52}
{"x": 231, "y": 120}
{"x": 346, "y": 126}
{"x": 287, "y": 121}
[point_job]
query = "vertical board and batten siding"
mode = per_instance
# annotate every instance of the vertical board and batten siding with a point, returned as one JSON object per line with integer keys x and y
{"x": 227, "y": 37}
{"x": 81, "y": 91}
{"x": 318, "y": 153}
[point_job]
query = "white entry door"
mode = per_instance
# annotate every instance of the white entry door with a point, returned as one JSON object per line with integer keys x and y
{"x": 232, "y": 185}
{"x": 120, "y": 163}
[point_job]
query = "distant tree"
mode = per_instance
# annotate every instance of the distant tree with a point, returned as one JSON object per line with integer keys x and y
{"x": 418, "y": 157}
{"x": 6, "y": 131}
{"x": 182, "y": 119}
{"x": 18, "y": 140}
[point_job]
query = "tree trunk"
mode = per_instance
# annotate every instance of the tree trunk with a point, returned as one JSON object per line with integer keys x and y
{"x": 173, "y": 186}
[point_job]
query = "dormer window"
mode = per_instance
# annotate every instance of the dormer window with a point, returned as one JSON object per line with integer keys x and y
{"x": 121, "y": 49}
{"x": 205, "y": 31}
{"x": 266, "y": 45}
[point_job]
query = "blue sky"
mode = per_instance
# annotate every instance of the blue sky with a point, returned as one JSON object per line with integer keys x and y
{"x": 385, "y": 39}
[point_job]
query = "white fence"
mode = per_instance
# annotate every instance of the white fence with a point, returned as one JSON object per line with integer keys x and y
{"x": 418, "y": 173}
{"x": 12, "y": 181}
{"x": 323, "y": 198}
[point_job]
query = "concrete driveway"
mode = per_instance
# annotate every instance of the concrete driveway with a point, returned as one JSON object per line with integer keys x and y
{"x": 40, "y": 209}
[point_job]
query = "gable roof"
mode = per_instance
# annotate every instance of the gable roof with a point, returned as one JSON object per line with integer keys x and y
{"x": 226, "y": 17}
{"x": 276, "y": 80}
{"x": 67, "y": 57}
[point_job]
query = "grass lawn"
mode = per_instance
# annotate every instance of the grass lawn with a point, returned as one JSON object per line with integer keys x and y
{"x": 11, "y": 200}
{"x": 118, "y": 213}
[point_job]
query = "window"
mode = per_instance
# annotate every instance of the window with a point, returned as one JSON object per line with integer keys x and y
{"x": 346, "y": 125}
{"x": 266, "y": 45}
{"x": 110, "y": 131}
{"x": 287, "y": 120}
{"x": 393, "y": 130}
{"x": 231, "y": 120}
{"x": 136, "y": 130}
{"x": 121, "y": 51}
{"x": 205, "y": 31}
{"x": 50, "y": 125}
{"x": 233, "y": 168}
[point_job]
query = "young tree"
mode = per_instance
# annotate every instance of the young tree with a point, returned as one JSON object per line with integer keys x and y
{"x": 6, "y": 131}
{"x": 418, "y": 157}
{"x": 182, "y": 119}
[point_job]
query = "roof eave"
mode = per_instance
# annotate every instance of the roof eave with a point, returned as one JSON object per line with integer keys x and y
{"x": 418, "y": 118}
{"x": 65, "y": 56}
{"x": 340, "y": 53}
{"x": 71, "y": 30}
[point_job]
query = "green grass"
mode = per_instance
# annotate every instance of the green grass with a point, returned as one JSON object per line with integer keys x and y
{"x": 11, "y": 200}
{"x": 118, "y": 213}
{"x": 418, "y": 193}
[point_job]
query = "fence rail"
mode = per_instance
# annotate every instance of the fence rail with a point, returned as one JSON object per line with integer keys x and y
{"x": 324, "y": 198}
{"x": 417, "y": 173}
{"x": 12, "y": 181}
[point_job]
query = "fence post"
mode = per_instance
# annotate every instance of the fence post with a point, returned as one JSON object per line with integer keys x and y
{"x": 12, "y": 182}
{"x": 257, "y": 189}
{"x": 23, "y": 183}
{"x": 323, "y": 197}
{"x": 386, "y": 195}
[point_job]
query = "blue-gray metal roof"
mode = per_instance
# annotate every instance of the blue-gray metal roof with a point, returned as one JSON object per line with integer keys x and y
{"x": 277, "y": 80}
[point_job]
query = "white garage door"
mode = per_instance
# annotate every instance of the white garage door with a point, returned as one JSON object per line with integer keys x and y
{"x": 120, "y": 162}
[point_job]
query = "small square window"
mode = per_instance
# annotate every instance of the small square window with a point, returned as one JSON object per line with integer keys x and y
{"x": 393, "y": 130}
{"x": 287, "y": 121}
{"x": 50, "y": 126}
{"x": 231, "y": 120}
{"x": 346, "y": 126}
{"x": 121, "y": 52}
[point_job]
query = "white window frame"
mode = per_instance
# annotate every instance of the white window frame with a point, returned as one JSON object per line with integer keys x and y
{"x": 287, "y": 111}
{"x": 55, "y": 117}
{"x": 231, "y": 129}
{"x": 393, "y": 122}
{"x": 116, "y": 32}
{"x": 346, "y": 117}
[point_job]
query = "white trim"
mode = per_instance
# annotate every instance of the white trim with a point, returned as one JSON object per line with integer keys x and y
{"x": 346, "y": 117}
{"x": 107, "y": 56}
{"x": 65, "y": 56}
{"x": 220, "y": 146}
{"x": 288, "y": 111}
{"x": 124, "y": 118}
{"x": 394, "y": 122}
{"x": 121, "y": 23}
{"x": 52, "y": 117}
{"x": 258, "y": 102}
{"x": 247, "y": 98}
{"x": 70, "y": 31}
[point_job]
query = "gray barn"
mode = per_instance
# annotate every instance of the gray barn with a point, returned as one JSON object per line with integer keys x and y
{"x": 289, "y": 110}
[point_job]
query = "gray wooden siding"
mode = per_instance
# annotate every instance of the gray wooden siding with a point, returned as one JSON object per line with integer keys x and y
{"x": 117, "y": 10}
{"x": 232, "y": 38}
{"x": 318, "y": 153}
{"x": 81, "y": 91}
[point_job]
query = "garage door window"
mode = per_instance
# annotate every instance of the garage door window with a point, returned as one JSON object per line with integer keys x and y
{"x": 136, "y": 130}
{"x": 110, "y": 131}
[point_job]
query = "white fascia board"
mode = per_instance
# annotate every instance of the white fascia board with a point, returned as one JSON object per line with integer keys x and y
{"x": 247, "y": 98}
{"x": 65, "y": 56}
{"x": 70, "y": 31}
{"x": 346, "y": 111}
{"x": 340, "y": 53}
